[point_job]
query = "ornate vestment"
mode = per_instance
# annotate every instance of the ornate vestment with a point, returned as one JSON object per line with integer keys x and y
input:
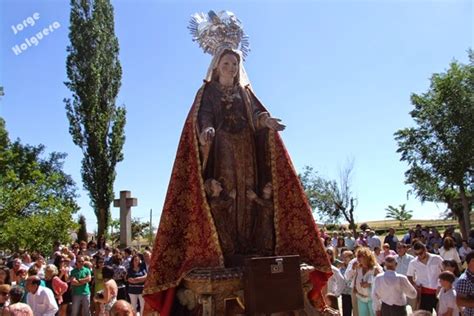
{"x": 187, "y": 236}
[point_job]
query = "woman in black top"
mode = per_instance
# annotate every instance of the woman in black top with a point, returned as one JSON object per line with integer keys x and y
{"x": 136, "y": 276}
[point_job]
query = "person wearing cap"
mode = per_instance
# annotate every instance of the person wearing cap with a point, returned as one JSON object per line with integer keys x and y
{"x": 40, "y": 298}
{"x": 390, "y": 291}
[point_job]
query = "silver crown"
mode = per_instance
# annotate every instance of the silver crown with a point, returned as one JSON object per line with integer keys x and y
{"x": 215, "y": 32}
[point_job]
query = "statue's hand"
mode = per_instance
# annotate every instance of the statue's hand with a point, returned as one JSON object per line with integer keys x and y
{"x": 251, "y": 195}
{"x": 233, "y": 194}
{"x": 207, "y": 135}
{"x": 274, "y": 124}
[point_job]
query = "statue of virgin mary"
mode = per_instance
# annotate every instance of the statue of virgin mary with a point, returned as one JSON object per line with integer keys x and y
{"x": 233, "y": 191}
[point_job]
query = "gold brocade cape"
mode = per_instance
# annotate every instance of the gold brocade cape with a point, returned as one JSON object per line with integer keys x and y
{"x": 187, "y": 237}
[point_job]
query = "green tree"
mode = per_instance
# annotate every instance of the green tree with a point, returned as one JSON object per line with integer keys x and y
{"x": 37, "y": 199}
{"x": 96, "y": 123}
{"x": 149, "y": 233}
{"x": 139, "y": 229}
{"x": 114, "y": 225}
{"x": 400, "y": 213}
{"x": 82, "y": 232}
{"x": 331, "y": 199}
{"x": 439, "y": 149}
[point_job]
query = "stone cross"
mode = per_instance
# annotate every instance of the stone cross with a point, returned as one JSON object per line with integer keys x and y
{"x": 125, "y": 203}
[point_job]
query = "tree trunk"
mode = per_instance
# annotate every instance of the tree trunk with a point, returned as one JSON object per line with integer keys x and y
{"x": 462, "y": 225}
{"x": 101, "y": 228}
{"x": 458, "y": 213}
{"x": 354, "y": 229}
{"x": 352, "y": 221}
{"x": 466, "y": 210}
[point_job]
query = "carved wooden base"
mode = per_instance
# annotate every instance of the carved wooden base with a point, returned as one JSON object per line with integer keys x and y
{"x": 219, "y": 292}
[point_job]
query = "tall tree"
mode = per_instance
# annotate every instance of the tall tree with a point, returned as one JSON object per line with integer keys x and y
{"x": 439, "y": 149}
{"x": 96, "y": 123}
{"x": 37, "y": 198}
{"x": 82, "y": 232}
{"x": 331, "y": 199}
{"x": 400, "y": 214}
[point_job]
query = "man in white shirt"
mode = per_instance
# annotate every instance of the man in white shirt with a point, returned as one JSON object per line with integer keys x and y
{"x": 40, "y": 298}
{"x": 335, "y": 235}
{"x": 423, "y": 273}
{"x": 390, "y": 291}
{"x": 373, "y": 241}
{"x": 350, "y": 275}
{"x": 26, "y": 262}
{"x": 349, "y": 241}
{"x": 147, "y": 259}
{"x": 464, "y": 250}
{"x": 335, "y": 286}
{"x": 403, "y": 258}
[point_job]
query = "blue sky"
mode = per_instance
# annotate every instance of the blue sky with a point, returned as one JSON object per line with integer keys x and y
{"x": 338, "y": 73}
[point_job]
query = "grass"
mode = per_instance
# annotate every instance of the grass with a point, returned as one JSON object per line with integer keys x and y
{"x": 385, "y": 224}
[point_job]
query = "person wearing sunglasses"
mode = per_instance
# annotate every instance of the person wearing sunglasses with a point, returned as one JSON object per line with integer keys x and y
{"x": 4, "y": 289}
{"x": 17, "y": 307}
{"x": 423, "y": 273}
{"x": 80, "y": 278}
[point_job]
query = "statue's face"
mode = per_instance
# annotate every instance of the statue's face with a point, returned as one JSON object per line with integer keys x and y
{"x": 228, "y": 66}
{"x": 267, "y": 189}
{"x": 216, "y": 187}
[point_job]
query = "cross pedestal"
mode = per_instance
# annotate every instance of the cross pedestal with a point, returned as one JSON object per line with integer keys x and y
{"x": 125, "y": 203}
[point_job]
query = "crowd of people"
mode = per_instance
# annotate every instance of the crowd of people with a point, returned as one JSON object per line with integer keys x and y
{"x": 83, "y": 279}
{"x": 423, "y": 269}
